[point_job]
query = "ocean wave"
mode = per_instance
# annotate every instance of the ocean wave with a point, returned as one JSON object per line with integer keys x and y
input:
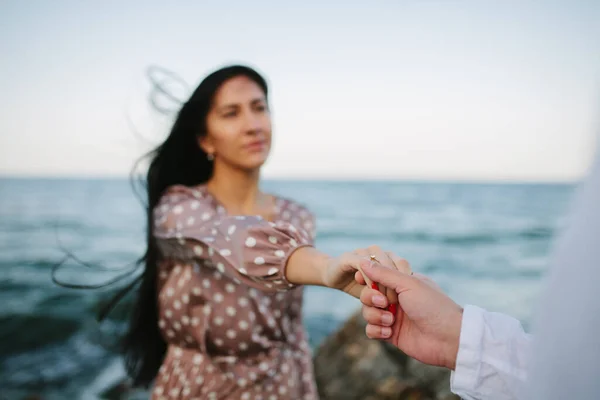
{"x": 21, "y": 332}
{"x": 56, "y": 229}
{"x": 21, "y": 226}
{"x": 458, "y": 239}
{"x": 62, "y": 367}
{"x": 473, "y": 272}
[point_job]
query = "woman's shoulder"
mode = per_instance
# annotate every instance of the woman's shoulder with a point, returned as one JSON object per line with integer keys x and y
{"x": 183, "y": 191}
{"x": 179, "y": 198}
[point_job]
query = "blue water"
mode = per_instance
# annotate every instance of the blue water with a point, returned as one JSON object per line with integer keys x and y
{"x": 485, "y": 244}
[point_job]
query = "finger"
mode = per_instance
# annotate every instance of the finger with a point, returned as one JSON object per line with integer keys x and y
{"x": 377, "y": 316}
{"x": 359, "y": 278}
{"x": 383, "y": 258}
{"x": 362, "y": 252}
{"x": 394, "y": 279}
{"x": 355, "y": 290}
{"x": 400, "y": 263}
{"x": 378, "y": 332}
{"x": 373, "y": 298}
{"x": 359, "y": 263}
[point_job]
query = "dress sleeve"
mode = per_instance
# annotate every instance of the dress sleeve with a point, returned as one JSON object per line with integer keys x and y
{"x": 248, "y": 249}
{"x": 308, "y": 223}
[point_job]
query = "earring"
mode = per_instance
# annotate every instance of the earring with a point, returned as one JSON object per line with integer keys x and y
{"x": 210, "y": 157}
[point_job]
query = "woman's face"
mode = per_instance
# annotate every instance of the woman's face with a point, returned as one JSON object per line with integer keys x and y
{"x": 238, "y": 125}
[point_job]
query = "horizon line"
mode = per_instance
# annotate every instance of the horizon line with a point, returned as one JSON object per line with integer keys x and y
{"x": 322, "y": 178}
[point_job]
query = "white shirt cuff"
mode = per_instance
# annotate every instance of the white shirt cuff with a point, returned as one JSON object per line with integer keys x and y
{"x": 465, "y": 377}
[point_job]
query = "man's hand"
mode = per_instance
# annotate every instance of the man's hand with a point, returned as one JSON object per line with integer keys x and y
{"x": 427, "y": 323}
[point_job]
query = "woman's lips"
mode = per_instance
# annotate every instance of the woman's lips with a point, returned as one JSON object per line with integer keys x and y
{"x": 257, "y": 145}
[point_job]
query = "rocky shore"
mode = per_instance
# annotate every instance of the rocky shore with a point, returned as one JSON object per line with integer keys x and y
{"x": 350, "y": 366}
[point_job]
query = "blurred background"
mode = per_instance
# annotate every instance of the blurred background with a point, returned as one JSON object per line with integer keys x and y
{"x": 451, "y": 132}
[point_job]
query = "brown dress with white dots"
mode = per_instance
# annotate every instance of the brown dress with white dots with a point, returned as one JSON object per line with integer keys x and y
{"x": 232, "y": 322}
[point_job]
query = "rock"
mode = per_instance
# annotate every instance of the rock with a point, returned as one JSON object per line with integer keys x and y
{"x": 348, "y": 365}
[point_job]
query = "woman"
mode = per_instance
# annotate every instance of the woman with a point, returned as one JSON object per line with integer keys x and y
{"x": 220, "y": 305}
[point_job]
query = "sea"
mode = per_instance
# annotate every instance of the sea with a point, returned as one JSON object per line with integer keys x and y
{"x": 486, "y": 244}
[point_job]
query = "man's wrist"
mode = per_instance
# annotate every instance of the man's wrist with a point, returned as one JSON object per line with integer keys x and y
{"x": 453, "y": 342}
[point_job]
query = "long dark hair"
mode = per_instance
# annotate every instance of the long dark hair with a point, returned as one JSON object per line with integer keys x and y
{"x": 178, "y": 160}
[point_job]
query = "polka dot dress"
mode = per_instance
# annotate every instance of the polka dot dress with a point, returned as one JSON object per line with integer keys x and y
{"x": 232, "y": 321}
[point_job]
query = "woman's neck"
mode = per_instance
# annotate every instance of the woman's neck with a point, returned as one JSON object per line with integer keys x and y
{"x": 236, "y": 189}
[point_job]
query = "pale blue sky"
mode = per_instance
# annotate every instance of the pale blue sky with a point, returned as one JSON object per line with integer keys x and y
{"x": 443, "y": 89}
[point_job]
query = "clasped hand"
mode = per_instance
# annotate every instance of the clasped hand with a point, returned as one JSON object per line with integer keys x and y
{"x": 426, "y": 322}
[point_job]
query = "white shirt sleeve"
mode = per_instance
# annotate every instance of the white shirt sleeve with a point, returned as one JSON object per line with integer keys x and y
{"x": 492, "y": 358}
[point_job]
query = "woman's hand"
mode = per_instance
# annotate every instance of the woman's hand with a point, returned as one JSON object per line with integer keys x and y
{"x": 342, "y": 272}
{"x": 308, "y": 266}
